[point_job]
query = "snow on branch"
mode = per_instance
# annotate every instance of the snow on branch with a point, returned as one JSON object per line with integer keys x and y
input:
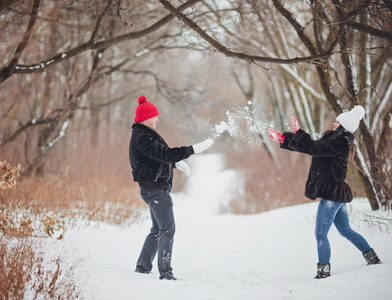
{"x": 221, "y": 48}
{"x": 91, "y": 44}
{"x": 7, "y": 71}
{"x": 381, "y": 106}
{"x": 44, "y": 149}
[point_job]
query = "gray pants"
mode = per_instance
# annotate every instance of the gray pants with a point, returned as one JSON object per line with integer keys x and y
{"x": 160, "y": 239}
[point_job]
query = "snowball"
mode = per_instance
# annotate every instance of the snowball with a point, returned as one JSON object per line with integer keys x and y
{"x": 221, "y": 127}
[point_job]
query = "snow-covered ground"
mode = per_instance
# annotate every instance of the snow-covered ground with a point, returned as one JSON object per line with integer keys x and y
{"x": 221, "y": 256}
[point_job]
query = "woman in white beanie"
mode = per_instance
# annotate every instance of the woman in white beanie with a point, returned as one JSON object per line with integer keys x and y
{"x": 326, "y": 180}
{"x": 350, "y": 120}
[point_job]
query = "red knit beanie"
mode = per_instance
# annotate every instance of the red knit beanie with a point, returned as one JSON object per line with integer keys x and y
{"x": 145, "y": 110}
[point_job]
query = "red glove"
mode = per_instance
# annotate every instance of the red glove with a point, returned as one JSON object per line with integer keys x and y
{"x": 275, "y": 135}
{"x": 294, "y": 122}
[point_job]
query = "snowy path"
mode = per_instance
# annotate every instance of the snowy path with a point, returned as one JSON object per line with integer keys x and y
{"x": 221, "y": 257}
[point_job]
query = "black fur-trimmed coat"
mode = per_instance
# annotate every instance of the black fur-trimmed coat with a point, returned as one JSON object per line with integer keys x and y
{"x": 152, "y": 160}
{"x": 328, "y": 170}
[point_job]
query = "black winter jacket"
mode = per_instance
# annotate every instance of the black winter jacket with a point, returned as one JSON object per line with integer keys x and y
{"x": 328, "y": 170}
{"x": 152, "y": 160}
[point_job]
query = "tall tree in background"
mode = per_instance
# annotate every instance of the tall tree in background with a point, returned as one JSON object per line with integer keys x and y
{"x": 346, "y": 45}
{"x": 320, "y": 56}
{"x": 55, "y": 51}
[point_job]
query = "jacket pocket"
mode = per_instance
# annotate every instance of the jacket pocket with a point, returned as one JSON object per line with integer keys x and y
{"x": 159, "y": 173}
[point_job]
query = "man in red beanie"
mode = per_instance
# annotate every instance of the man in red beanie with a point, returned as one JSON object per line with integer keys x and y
{"x": 152, "y": 162}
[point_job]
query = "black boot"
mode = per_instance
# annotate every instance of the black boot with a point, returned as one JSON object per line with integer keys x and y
{"x": 167, "y": 276}
{"x": 371, "y": 257}
{"x": 323, "y": 271}
{"x": 140, "y": 270}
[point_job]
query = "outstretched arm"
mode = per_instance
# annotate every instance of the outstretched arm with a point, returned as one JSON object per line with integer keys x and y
{"x": 285, "y": 138}
{"x": 302, "y": 142}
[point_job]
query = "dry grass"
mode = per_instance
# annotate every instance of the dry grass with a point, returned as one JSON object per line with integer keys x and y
{"x": 8, "y": 175}
{"x": 89, "y": 186}
{"x": 264, "y": 186}
{"x": 24, "y": 274}
{"x": 82, "y": 189}
{"x": 89, "y": 200}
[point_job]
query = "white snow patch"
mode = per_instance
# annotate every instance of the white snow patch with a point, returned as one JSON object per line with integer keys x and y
{"x": 222, "y": 257}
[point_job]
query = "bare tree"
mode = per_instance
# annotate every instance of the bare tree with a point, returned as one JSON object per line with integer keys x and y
{"x": 64, "y": 62}
{"x": 347, "y": 42}
{"x": 66, "y": 49}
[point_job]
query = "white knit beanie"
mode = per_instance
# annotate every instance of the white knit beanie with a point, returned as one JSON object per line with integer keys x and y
{"x": 350, "y": 120}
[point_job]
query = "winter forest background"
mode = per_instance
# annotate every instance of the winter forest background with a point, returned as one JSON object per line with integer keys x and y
{"x": 71, "y": 73}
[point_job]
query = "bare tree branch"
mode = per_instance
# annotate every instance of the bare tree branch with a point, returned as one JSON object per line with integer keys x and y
{"x": 388, "y": 3}
{"x": 126, "y": 24}
{"x": 324, "y": 76}
{"x": 9, "y": 70}
{"x": 49, "y": 145}
{"x": 220, "y": 48}
{"x": 5, "y": 3}
{"x": 33, "y": 122}
{"x": 90, "y": 45}
{"x": 99, "y": 20}
{"x": 370, "y": 30}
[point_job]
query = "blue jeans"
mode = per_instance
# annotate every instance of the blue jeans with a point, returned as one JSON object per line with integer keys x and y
{"x": 160, "y": 239}
{"x": 329, "y": 212}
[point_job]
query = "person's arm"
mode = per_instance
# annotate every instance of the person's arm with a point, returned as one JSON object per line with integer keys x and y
{"x": 156, "y": 150}
{"x": 151, "y": 147}
{"x": 302, "y": 142}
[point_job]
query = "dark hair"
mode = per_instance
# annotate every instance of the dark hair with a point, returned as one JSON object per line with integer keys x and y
{"x": 332, "y": 133}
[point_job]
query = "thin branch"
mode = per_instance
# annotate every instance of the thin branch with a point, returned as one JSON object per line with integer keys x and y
{"x": 126, "y": 24}
{"x": 49, "y": 20}
{"x": 91, "y": 45}
{"x": 381, "y": 105}
{"x": 324, "y": 76}
{"x": 220, "y": 48}
{"x": 9, "y": 70}
{"x": 383, "y": 34}
{"x": 5, "y": 3}
{"x": 99, "y": 106}
{"x": 383, "y": 144}
{"x": 99, "y": 20}
{"x": 297, "y": 26}
{"x": 388, "y": 3}
{"x": 49, "y": 145}
{"x": 33, "y": 122}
